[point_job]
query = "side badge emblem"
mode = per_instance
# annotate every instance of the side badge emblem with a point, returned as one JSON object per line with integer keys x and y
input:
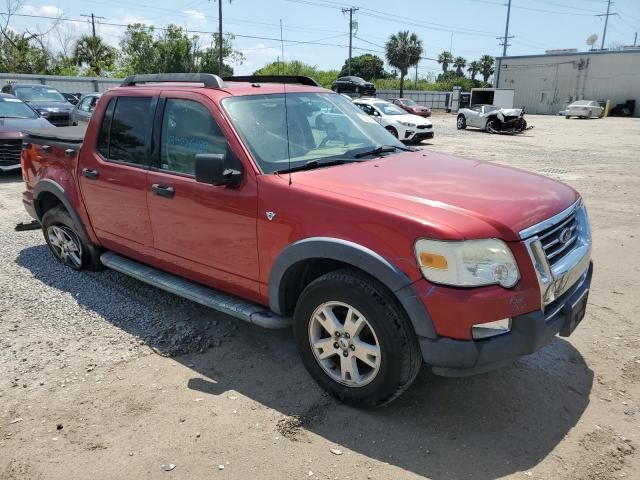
{"x": 270, "y": 215}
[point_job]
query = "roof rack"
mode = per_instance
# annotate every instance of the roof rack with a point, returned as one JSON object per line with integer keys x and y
{"x": 302, "y": 80}
{"x": 208, "y": 79}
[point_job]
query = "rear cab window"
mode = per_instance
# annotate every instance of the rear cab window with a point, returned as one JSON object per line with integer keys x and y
{"x": 124, "y": 134}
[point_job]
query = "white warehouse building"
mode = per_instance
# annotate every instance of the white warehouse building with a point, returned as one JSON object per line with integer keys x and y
{"x": 544, "y": 84}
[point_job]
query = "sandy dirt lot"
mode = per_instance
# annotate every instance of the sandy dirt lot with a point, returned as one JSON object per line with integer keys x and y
{"x": 102, "y": 377}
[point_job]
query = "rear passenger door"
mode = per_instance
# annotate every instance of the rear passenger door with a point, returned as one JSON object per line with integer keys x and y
{"x": 206, "y": 232}
{"x": 113, "y": 171}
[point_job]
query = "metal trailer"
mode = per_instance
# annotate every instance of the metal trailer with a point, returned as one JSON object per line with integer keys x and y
{"x": 545, "y": 84}
{"x": 433, "y": 100}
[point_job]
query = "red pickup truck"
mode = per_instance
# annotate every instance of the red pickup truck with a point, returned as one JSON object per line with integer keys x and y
{"x": 382, "y": 257}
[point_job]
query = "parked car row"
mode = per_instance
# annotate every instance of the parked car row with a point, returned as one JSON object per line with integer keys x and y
{"x": 26, "y": 106}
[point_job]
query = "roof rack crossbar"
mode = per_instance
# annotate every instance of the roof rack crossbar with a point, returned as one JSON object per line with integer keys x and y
{"x": 300, "y": 79}
{"x": 207, "y": 79}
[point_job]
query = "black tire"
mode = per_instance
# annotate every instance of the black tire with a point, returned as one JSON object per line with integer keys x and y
{"x": 400, "y": 357}
{"x": 491, "y": 125}
{"x": 392, "y": 131}
{"x": 86, "y": 256}
{"x": 567, "y": 117}
{"x": 461, "y": 122}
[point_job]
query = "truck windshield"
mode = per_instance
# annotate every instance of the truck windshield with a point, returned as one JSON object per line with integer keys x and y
{"x": 320, "y": 126}
{"x": 14, "y": 108}
{"x": 37, "y": 93}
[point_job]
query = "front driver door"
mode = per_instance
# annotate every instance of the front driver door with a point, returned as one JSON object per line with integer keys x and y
{"x": 205, "y": 232}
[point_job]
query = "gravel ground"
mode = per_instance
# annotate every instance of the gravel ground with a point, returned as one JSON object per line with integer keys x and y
{"x": 104, "y": 377}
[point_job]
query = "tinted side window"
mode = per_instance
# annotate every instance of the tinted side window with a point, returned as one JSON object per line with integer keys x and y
{"x": 129, "y": 127}
{"x": 187, "y": 129}
{"x": 84, "y": 105}
{"x": 105, "y": 125}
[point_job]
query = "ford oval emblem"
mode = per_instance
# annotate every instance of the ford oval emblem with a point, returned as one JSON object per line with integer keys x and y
{"x": 565, "y": 235}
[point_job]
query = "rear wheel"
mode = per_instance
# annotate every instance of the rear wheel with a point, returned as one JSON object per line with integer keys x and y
{"x": 354, "y": 339}
{"x": 392, "y": 131}
{"x": 567, "y": 117}
{"x": 65, "y": 242}
{"x": 461, "y": 123}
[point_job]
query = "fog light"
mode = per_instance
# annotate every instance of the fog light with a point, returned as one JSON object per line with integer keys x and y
{"x": 491, "y": 329}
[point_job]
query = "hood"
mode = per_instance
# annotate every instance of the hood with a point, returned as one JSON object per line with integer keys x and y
{"x": 19, "y": 124}
{"x": 454, "y": 198}
{"x": 50, "y": 106}
{"x": 511, "y": 112}
{"x": 409, "y": 118}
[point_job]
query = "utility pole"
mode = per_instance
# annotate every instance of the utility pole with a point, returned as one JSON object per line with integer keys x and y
{"x": 635, "y": 39}
{"x": 606, "y": 21}
{"x": 505, "y": 43}
{"x": 416, "y": 76}
{"x": 351, "y": 25}
{"x": 93, "y": 22}
{"x": 220, "y": 37}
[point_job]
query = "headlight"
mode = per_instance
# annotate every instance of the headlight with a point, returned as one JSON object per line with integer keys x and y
{"x": 408, "y": 124}
{"x": 471, "y": 263}
{"x": 43, "y": 113}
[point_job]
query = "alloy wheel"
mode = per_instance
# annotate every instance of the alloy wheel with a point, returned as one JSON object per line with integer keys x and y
{"x": 344, "y": 344}
{"x": 65, "y": 245}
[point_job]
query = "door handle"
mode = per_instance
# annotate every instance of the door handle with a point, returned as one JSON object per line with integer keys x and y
{"x": 163, "y": 190}
{"x": 90, "y": 173}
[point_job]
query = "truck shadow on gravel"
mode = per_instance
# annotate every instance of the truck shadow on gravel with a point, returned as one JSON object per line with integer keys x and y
{"x": 482, "y": 427}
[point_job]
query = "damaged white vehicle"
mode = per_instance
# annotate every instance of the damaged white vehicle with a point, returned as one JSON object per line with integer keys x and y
{"x": 492, "y": 119}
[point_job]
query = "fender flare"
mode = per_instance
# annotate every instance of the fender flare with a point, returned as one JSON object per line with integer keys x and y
{"x": 360, "y": 257}
{"x": 50, "y": 186}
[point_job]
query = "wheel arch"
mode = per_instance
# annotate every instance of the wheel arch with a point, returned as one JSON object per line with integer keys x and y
{"x": 305, "y": 260}
{"x": 49, "y": 194}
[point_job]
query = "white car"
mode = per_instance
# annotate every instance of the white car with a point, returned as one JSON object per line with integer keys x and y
{"x": 491, "y": 118}
{"x": 402, "y": 125}
{"x": 583, "y": 109}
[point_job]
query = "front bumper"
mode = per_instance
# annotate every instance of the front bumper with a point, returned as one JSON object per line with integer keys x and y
{"x": 562, "y": 285}
{"x": 417, "y": 134}
{"x": 529, "y": 333}
{"x": 10, "y": 168}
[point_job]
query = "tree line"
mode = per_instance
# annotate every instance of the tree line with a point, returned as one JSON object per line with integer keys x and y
{"x": 146, "y": 49}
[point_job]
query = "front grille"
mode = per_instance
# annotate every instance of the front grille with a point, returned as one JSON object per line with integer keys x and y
{"x": 10, "y": 152}
{"x": 558, "y": 239}
{"x": 59, "y": 119}
{"x": 422, "y": 127}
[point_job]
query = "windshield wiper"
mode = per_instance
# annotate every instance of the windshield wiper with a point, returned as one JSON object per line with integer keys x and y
{"x": 382, "y": 149}
{"x": 311, "y": 164}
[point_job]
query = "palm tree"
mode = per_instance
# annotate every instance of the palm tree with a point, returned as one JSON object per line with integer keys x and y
{"x": 403, "y": 51}
{"x": 93, "y": 51}
{"x": 486, "y": 66}
{"x": 445, "y": 58}
{"x": 474, "y": 69}
{"x": 459, "y": 63}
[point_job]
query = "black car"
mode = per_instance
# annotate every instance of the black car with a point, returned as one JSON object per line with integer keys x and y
{"x": 47, "y": 101}
{"x": 355, "y": 85}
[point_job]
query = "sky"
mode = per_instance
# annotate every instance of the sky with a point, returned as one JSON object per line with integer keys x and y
{"x": 468, "y": 27}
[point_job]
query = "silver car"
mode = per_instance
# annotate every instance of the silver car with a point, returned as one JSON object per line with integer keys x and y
{"x": 583, "y": 109}
{"x": 82, "y": 112}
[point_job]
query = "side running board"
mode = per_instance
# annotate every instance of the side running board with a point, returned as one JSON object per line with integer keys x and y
{"x": 206, "y": 296}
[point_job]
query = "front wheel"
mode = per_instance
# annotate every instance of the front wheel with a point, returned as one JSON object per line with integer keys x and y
{"x": 66, "y": 244}
{"x": 492, "y": 126}
{"x": 354, "y": 339}
{"x": 461, "y": 123}
{"x": 392, "y": 131}
{"x": 567, "y": 117}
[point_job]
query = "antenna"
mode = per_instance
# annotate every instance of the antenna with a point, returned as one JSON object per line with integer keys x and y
{"x": 286, "y": 111}
{"x": 592, "y": 39}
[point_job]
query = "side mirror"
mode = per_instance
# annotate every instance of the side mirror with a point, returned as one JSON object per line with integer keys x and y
{"x": 211, "y": 168}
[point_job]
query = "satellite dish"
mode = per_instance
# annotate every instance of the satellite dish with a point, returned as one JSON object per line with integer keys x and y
{"x": 592, "y": 39}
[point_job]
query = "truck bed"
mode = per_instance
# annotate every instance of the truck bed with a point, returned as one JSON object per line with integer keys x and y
{"x": 65, "y": 137}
